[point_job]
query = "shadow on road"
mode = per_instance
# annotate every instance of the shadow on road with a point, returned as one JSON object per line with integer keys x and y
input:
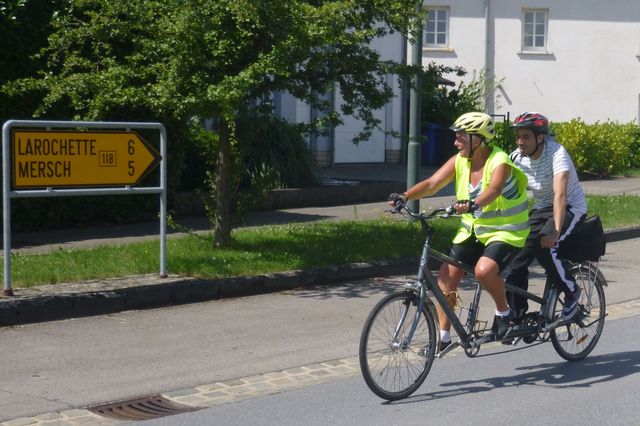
{"x": 376, "y": 286}
{"x": 380, "y": 286}
{"x": 579, "y": 374}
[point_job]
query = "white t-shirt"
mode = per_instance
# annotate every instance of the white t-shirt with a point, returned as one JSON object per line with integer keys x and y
{"x": 554, "y": 159}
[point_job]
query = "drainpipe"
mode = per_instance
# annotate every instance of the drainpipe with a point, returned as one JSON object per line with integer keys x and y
{"x": 489, "y": 49}
{"x": 404, "y": 99}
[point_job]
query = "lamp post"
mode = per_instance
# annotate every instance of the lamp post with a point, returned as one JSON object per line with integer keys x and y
{"x": 413, "y": 149}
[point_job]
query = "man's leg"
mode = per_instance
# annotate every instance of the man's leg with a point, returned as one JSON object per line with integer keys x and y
{"x": 519, "y": 268}
{"x": 557, "y": 269}
{"x": 519, "y": 276}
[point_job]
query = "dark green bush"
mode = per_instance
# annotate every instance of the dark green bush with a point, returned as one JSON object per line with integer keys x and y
{"x": 634, "y": 149}
{"x": 442, "y": 103}
{"x": 505, "y": 137}
{"x": 34, "y": 214}
{"x": 600, "y": 149}
{"x": 276, "y": 145}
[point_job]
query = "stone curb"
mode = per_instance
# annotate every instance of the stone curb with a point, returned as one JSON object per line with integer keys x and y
{"x": 620, "y": 234}
{"x": 182, "y": 291}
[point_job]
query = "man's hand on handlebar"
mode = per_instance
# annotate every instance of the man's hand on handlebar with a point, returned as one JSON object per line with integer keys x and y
{"x": 465, "y": 206}
{"x": 397, "y": 200}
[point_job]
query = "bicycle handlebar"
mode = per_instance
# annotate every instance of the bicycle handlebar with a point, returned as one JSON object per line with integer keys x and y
{"x": 436, "y": 213}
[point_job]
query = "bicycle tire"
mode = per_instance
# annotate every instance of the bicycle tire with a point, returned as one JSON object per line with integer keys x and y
{"x": 576, "y": 340}
{"x": 392, "y": 370}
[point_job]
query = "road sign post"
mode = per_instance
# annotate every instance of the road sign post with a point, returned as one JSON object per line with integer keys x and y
{"x": 38, "y": 161}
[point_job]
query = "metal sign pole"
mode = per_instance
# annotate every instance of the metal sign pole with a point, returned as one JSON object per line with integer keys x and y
{"x": 6, "y": 209}
{"x": 108, "y": 157}
{"x": 163, "y": 203}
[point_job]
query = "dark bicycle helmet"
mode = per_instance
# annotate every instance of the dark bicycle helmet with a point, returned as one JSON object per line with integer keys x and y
{"x": 475, "y": 123}
{"x": 534, "y": 121}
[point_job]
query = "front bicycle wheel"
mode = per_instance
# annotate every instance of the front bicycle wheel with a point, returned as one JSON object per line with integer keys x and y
{"x": 392, "y": 366}
{"x": 576, "y": 340}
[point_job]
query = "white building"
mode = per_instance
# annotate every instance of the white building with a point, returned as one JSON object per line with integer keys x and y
{"x": 564, "y": 58}
{"x": 337, "y": 147}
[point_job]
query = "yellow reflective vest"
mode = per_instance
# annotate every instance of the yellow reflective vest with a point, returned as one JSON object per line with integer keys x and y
{"x": 502, "y": 220}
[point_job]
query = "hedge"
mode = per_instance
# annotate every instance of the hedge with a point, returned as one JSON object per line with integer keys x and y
{"x": 601, "y": 149}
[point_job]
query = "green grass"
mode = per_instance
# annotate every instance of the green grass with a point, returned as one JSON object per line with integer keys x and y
{"x": 632, "y": 173}
{"x": 267, "y": 249}
{"x": 616, "y": 211}
{"x": 253, "y": 251}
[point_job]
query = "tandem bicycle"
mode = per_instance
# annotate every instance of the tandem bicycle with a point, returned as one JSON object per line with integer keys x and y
{"x": 400, "y": 336}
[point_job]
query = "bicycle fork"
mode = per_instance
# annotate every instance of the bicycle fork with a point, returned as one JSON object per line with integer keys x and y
{"x": 404, "y": 344}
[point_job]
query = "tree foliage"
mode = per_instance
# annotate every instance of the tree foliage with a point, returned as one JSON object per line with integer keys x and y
{"x": 181, "y": 61}
{"x": 24, "y": 27}
{"x": 442, "y": 103}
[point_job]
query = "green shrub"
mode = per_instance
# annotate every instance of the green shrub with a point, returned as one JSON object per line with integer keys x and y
{"x": 634, "y": 149}
{"x": 441, "y": 103}
{"x": 600, "y": 149}
{"x": 505, "y": 137}
{"x": 35, "y": 214}
{"x": 275, "y": 147}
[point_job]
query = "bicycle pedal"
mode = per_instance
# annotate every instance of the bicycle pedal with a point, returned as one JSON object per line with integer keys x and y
{"x": 448, "y": 349}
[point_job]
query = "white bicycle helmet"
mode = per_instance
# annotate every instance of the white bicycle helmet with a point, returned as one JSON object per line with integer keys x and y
{"x": 475, "y": 123}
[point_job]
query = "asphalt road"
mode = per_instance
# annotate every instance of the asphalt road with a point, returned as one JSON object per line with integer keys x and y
{"x": 64, "y": 365}
{"x": 525, "y": 387}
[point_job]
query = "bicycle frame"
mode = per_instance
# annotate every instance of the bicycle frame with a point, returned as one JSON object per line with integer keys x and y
{"x": 429, "y": 283}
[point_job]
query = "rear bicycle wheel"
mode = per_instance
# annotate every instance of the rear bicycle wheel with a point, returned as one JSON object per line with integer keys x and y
{"x": 576, "y": 340}
{"x": 392, "y": 367}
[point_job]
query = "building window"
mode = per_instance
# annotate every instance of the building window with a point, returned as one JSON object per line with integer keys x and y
{"x": 534, "y": 29}
{"x": 436, "y": 33}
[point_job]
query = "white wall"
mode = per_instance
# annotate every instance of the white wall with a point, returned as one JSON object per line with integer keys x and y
{"x": 339, "y": 147}
{"x": 591, "y": 69}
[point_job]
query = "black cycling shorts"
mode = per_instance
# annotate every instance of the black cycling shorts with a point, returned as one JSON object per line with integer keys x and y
{"x": 470, "y": 250}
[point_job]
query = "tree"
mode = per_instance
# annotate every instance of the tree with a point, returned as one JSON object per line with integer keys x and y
{"x": 24, "y": 27}
{"x": 442, "y": 103}
{"x": 187, "y": 60}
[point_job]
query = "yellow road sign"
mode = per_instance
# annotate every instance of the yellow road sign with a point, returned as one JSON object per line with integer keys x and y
{"x": 73, "y": 158}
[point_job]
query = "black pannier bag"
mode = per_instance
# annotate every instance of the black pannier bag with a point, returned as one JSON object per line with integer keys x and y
{"x": 586, "y": 242}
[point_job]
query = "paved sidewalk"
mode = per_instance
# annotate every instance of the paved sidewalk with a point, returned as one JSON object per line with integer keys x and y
{"x": 52, "y": 302}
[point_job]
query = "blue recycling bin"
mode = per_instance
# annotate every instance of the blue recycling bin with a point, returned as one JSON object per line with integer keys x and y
{"x": 430, "y": 150}
{"x": 438, "y": 147}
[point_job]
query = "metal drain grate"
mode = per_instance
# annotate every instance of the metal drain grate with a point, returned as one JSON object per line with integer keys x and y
{"x": 149, "y": 407}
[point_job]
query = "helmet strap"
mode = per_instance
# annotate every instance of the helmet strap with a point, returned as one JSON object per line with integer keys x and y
{"x": 538, "y": 144}
{"x": 471, "y": 148}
